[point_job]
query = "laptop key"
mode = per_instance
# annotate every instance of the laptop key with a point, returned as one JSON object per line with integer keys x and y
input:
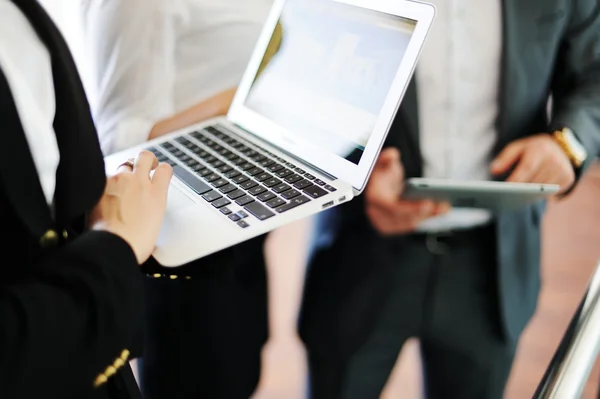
{"x": 231, "y": 174}
{"x": 292, "y": 204}
{"x": 266, "y": 196}
{"x": 227, "y": 188}
{"x": 275, "y": 168}
{"x": 275, "y": 202}
{"x": 315, "y": 191}
{"x": 254, "y": 171}
{"x": 220, "y": 183}
{"x": 221, "y": 202}
{"x": 266, "y": 163}
{"x": 257, "y": 190}
{"x": 236, "y": 194}
{"x": 281, "y": 188}
{"x": 191, "y": 181}
{"x": 272, "y": 182}
{"x": 259, "y": 210}
{"x": 309, "y": 176}
{"x": 234, "y": 217}
{"x": 302, "y": 184}
{"x": 288, "y": 195}
{"x": 225, "y": 211}
{"x": 319, "y": 182}
{"x": 263, "y": 176}
{"x": 212, "y": 196}
{"x": 212, "y": 177}
{"x": 284, "y": 173}
{"x": 204, "y": 172}
{"x": 243, "y": 224}
{"x": 330, "y": 188}
{"x": 293, "y": 178}
{"x": 240, "y": 179}
{"x": 191, "y": 162}
{"x": 248, "y": 184}
{"x": 245, "y": 200}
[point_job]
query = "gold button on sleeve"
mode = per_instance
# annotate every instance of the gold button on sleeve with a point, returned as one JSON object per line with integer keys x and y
{"x": 110, "y": 371}
{"x": 125, "y": 355}
{"x": 49, "y": 239}
{"x": 119, "y": 363}
{"x": 100, "y": 380}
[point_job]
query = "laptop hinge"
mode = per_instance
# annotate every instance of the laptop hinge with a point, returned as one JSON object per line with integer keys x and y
{"x": 309, "y": 165}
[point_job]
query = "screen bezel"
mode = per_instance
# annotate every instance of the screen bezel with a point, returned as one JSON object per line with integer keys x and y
{"x": 354, "y": 174}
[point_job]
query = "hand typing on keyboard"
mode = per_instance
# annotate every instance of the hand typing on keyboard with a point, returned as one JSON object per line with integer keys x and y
{"x": 236, "y": 178}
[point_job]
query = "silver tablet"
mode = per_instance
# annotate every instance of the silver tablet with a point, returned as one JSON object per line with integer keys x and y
{"x": 490, "y": 195}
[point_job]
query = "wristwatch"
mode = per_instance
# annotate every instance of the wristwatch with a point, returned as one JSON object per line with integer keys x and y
{"x": 569, "y": 143}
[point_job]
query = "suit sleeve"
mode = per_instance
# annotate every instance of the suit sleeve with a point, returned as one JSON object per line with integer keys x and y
{"x": 576, "y": 88}
{"x": 75, "y": 315}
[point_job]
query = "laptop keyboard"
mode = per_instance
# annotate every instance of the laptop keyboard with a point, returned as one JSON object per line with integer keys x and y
{"x": 225, "y": 171}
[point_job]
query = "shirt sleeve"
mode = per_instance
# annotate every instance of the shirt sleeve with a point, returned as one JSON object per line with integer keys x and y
{"x": 129, "y": 46}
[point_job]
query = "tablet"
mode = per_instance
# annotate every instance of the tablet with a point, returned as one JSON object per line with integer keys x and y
{"x": 491, "y": 195}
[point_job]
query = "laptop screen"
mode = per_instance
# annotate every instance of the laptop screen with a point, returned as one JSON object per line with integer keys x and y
{"x": 327, "y": 72}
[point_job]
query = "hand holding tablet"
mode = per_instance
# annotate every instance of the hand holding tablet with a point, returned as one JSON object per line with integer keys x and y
{"x": 540, "y": 168}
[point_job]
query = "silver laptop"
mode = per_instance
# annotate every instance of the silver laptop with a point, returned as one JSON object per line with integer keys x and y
{"x": 305, "y": 128}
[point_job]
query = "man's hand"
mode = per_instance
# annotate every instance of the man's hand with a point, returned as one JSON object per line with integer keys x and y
{"x": 538, "y": 159}
{"x": 388, "y": 212}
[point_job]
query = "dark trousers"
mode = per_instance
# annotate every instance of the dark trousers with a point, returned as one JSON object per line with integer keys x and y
{"x": 445, "y": 294}
{"x": 205, "y": 333}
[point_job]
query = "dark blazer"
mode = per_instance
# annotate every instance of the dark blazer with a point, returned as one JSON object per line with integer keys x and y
{"x": 550, "y": 47}
{"x": 70, "y": 301}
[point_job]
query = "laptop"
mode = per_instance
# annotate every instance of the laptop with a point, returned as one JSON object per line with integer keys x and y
{"x": 305, "y": 128}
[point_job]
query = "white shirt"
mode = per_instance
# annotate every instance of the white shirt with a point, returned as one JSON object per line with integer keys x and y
{"x": 25, "y": 62}
{"x": 151, "y": 59}
{"x": 458, "y": 79}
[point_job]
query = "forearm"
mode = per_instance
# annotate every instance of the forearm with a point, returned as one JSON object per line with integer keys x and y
{"x": 286, "y": 271}
{"x": 210, "y": 108}
{"x": 75, "y": 315}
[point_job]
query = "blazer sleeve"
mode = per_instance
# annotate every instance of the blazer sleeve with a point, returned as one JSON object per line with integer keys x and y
{"x": 576, "y": 88}
{"x": 80, "y": 311}
{"x": 130, "y": 54}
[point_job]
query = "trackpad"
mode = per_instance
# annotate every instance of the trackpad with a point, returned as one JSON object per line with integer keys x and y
{"x": 177, "y": 200}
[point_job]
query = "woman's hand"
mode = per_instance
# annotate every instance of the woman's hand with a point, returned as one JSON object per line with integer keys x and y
{"x": 134, "y": 203}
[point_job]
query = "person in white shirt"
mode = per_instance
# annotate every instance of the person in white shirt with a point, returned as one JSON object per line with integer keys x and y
{"x": 463, "y": 281}
{"x": 156, "y": 66}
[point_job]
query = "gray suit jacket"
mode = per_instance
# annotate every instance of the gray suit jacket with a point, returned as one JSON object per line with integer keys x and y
{"x": 550, "y": 47}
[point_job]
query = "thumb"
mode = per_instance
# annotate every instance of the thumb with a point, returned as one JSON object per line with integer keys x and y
{"x": 508, "y": 157}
